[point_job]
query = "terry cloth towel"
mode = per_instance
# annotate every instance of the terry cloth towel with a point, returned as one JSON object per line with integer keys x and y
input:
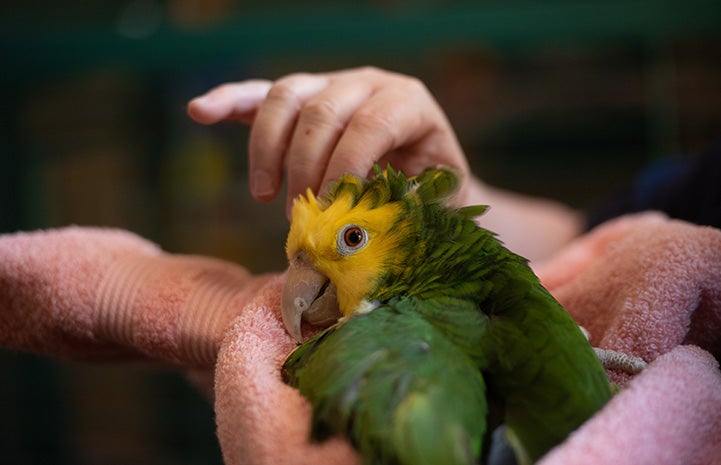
{"x": 100, "y": 294}
{"x": 644, "y": 285}
{"x": 649, "y": 287}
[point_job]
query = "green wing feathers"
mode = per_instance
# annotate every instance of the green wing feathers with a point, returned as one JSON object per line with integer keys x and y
{"x": 396, "y": 386}
{"x": 546, "y": 374}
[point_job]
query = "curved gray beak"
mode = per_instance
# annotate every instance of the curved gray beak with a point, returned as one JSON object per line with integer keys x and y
{"x": 307, "y": 295}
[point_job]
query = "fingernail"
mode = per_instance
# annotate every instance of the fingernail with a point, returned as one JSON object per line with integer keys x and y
{"x": 196, "y": 108}
{"x": 200, "y": 100}
{"x": 262, "y": 185}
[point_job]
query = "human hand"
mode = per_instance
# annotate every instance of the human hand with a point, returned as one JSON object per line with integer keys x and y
{"x": 318, "y": 126}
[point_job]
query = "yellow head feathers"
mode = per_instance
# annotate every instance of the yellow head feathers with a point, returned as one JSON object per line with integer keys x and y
{"x": 353, "y": 244}
{"x": 364, "y": 230}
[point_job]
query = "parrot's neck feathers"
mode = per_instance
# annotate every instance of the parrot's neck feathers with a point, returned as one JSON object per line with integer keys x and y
{"x": 366, "y": 306}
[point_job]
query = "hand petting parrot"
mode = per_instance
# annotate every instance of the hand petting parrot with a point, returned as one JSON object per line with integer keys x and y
{"x": 439, "y": 333}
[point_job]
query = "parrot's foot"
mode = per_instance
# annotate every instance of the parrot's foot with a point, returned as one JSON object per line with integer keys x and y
{"x": 614, "y": 360}
{"x": 611, "y": 359}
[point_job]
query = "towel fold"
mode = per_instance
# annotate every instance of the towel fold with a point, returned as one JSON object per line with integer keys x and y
{"x": 100, "y": 294}
{"x": 670, "y": 414}
{"x": 644, "y": 285}
{"x": 260, "y": 419}
{"x": 641, "y": 285}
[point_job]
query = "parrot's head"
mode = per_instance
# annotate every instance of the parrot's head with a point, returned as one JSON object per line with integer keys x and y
{"x": 346, "y": 247}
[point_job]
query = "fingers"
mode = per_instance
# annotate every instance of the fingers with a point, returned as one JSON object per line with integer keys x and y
{"x": 400, "y": 123}
{"x": 320, "y": 125}
{"x": 237, "y": 102}
{"x": 273, "y": 128}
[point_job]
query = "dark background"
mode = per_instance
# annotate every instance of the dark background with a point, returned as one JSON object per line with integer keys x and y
{"x": 563, "y": 99}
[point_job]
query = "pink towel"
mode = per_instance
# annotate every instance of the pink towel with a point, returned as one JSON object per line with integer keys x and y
{"x": 670, "y": 414}
{"x": 644, "y": 285}
{"x": 260, "y": 419}
{"x": 97, "y": 294}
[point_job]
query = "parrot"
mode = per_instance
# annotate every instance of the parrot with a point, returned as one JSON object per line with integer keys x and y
{"x": 433, "y": 333}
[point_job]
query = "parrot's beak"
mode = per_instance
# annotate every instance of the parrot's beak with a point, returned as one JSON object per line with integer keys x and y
{"x": 308, "y": 295}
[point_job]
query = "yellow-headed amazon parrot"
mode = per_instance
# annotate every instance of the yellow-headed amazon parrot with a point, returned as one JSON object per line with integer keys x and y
{"x": 438, "y": 332}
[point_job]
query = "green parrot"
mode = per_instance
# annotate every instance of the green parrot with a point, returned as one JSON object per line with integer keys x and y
{"x": 438, "y": 333}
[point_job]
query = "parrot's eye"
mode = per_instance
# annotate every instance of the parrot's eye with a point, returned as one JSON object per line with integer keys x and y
{"x": 350, "y": 239}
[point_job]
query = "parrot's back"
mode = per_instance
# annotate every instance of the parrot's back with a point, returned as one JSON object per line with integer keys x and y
{"x": 540, "y": 370}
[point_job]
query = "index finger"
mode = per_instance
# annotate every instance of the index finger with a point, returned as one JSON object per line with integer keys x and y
{"x": 237, "y": 101}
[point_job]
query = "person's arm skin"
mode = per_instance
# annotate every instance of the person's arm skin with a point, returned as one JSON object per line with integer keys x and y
{"x": 316, "y": 127}
{"x": 532, "y": 227}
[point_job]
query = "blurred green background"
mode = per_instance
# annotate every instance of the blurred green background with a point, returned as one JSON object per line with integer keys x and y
{"x": 564, "y": 99}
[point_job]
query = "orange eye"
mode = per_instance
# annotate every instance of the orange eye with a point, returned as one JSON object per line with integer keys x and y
{"x": 353, "y": 236}
{"x": 350, "y": 239}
